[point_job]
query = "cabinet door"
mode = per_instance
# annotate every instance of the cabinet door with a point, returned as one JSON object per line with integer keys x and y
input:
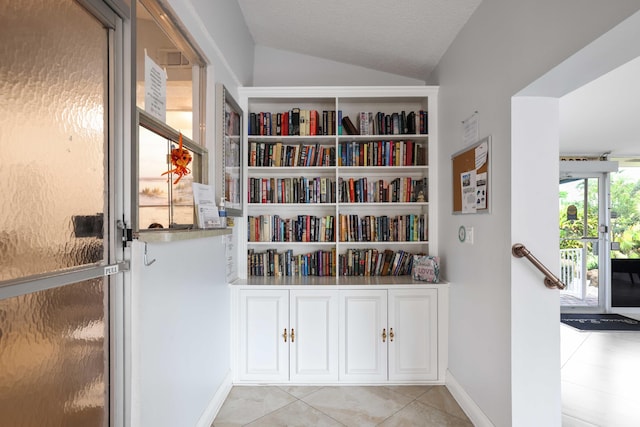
{"x": 413, "y": 320}
{"x": 363, "y": 350}
{"x": 264, "y": 354}
{"x": 314, "y": 346}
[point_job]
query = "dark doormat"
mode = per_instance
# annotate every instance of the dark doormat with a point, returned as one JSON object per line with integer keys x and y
{"x": 600, "y": 322}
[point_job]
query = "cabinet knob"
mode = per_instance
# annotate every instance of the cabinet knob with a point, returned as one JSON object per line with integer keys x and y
{"x": 384, "y": 335}
{"x": 391, "y": 334}
{"x": 284, "y": 335}
{"x": 293, "y": 335}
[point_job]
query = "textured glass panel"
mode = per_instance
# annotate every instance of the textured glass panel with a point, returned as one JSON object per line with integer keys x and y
{"x": 52, "y": 357}
{"x": 53, "y": 76}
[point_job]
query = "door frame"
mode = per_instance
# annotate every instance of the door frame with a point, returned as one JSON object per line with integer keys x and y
{"x": 599, "y": 170}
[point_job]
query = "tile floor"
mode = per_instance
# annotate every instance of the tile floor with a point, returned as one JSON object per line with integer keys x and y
{"x": 600, "y": 374}
{"x": 600, "y": 378}
{"x": 340, "y": 406}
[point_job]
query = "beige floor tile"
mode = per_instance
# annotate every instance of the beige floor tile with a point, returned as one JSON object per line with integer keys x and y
{"x": 357, "y": 406}
{"x": 297, "y": 414}
{"x": 247, "y": 404}
{"x": 299, "y": 391}
{"x": 417, "y": 414}
{"x": 440, "y": 398}
{"x": 412, "y": 391}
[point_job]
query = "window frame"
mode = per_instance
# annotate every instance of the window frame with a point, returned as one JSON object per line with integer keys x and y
{"x": 199, "y": 169}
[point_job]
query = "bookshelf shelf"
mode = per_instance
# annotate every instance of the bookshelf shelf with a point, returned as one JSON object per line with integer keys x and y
{"x": 383, "y": 178}
{"x": 367, "y": 244}
{"x": 385, "y": 204}
{"x": 276, "y": 170}
{"x": 291, "y": 244}
{"x": 399, "y": 137}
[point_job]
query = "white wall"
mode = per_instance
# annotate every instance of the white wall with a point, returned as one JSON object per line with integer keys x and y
{"x": 220, "y": 30}
{"x": 494, "y": 298}
{"x": 274, "y": 67}
{"x": 180, "y": 331}
{"x": 535, "y": 310}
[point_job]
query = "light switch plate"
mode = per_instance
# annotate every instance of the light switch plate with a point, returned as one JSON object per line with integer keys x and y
{"x": 469, "y": 233}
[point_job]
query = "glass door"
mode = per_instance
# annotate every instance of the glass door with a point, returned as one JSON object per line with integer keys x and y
{"x": 58, "y": 247}
{"x": 583, "y": 222}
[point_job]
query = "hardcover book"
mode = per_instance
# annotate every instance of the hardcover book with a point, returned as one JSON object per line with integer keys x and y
{"x": 349, "y": 127}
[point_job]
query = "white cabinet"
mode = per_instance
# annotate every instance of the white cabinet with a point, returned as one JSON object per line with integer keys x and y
{"x": 288, "y": 336}
{"x": 354, "y": 335}
{"x": 412, "y": 321}
{"x": 263, "y": 353}
{"x": 363, "y": 354}
{"x": 389, "y": 335}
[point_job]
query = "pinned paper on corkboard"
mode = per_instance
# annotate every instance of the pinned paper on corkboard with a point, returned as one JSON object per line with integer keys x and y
{"x": 471, "y": 176}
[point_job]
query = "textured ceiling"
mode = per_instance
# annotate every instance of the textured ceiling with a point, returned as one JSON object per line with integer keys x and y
{"x": 403, "y": 37}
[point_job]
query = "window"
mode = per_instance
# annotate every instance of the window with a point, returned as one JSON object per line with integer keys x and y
{"x": 165, "y": 198}
{"x": 161, "y": 198}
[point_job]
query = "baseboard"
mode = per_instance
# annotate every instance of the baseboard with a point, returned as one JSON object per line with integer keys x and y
{"x": 473, "y": 411}
{"x": 206, "y": 420}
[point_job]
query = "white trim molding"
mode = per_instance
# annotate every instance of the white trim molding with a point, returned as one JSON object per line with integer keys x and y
{"x": 473, "y": 411}
{"x": 215, "y": 404}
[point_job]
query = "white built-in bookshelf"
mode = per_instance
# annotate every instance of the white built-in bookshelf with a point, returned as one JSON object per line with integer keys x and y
{"x": 323, "y": 206}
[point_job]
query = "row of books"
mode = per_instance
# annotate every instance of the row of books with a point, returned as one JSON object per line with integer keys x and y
{"x": 401, "y": 123}
{"x": 382, "y": 153}
{"x": 296, "y": 121}
{"x": 278, "y": 154}
{"x": 398, "y": 190}
{"x": 303, "y": 122}
{"x": 277, "y": 264}
{"x": 371, "y": 262}
{"x": 303, "y": 228}
{"x": 354, "y": 262}
{"x": 370, "y": 228}
{"x": 292, "y": 190}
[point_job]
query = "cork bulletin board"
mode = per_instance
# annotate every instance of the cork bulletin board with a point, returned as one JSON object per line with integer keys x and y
{"x": 471, "y": 178}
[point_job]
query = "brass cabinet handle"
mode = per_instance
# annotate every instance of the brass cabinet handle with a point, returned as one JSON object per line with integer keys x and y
{"x": 284, "y": 335}
{"x": 293, "y": 335}
{"x": 391, "y": 334}
{"x": 384, "y": 335}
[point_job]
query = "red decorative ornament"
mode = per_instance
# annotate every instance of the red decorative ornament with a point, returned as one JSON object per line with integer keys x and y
{"x": 180, "y": 159}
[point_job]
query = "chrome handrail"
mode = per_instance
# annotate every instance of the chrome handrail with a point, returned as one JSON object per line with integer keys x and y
{"x": 551, "y": 281}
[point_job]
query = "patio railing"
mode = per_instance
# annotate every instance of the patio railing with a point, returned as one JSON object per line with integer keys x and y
{"x": 571, "y": 270}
